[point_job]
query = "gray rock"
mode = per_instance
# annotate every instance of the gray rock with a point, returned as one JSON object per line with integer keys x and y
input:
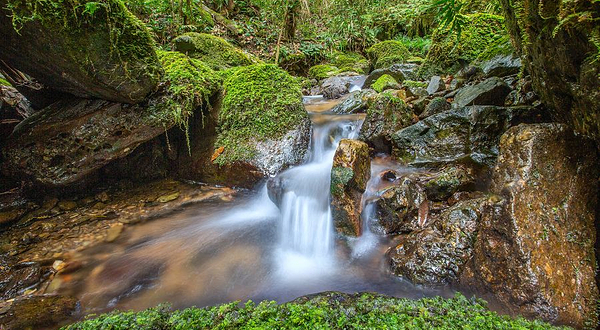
{"x": 356, "y": 102}
{"x": 436, "y": 84}
{"x": 400, "y": 72}
{"x": 437, "y": 105}
{"x": 492, "y": 91}
{"x": 336, "y": 87}
{"x": 501, "y": 66}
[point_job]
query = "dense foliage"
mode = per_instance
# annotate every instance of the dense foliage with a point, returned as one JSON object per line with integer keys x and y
{"x": 325, "y": 311}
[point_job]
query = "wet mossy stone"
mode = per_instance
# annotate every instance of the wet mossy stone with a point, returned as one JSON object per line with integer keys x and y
{"x": 88, "y": 49}
{"x": 350, "y": 62}
{"x": 328, "y": 310}
{"x": 214, "y": 51}
{"x": 386, "y": 53}
{"x": 260, "y": 102}
{"x": 385, "y": 82}
{"x": 481, "y": 33}
{"x": 322, "y": 71}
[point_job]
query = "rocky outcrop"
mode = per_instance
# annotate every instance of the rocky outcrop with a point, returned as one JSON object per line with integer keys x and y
{"x": 349, "y": 176}
{"x": 535, "y": 249}
{"x": 492, "y": 91}
{"x": 448, "y": 181}
{"x": 386, "y": 114}
{"x": 437, "y": 254}
{"x": 465, "y": 134}
{"x": 558, "y": 42}
{"x": 106, "y": 53}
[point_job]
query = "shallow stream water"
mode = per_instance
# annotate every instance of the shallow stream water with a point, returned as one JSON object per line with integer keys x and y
{"x": 247, "y": 248}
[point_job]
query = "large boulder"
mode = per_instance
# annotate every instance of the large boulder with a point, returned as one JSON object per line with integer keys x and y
{"x": 337, "y": 86}
{"x": 559, "y": 44}
{"x": 69, "y": 140}
{"x": 214, "y": 51}
{"x": 386, "y": 114}
{"x": 256, "y": 129}
{"x": 98, "y": 50}
{"x": 349, "y": 176}
{"x": 535, "y": 248}
{"x": 501, "y": 65}
{"x": 466, "y": 134}
{"x": 437, "y": 254}
{"x": 492, "y": 91}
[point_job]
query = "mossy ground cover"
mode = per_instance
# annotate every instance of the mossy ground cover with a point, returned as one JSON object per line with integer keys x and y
{"x": 386, "y": 53}
{"x": 212, "y": 50}
{"x": 324, "y": 311}
{"x": 385, "y": 82}
{"x": 260, "y": 102}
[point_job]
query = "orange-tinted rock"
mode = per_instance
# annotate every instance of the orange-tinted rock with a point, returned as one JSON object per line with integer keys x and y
{"x": 535, "y": 248}
{"x": 349, "y": 175}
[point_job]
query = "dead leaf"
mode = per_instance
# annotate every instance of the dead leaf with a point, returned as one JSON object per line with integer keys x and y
{"x": 217, "y": 153}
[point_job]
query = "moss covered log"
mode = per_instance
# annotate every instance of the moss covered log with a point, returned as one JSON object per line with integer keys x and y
{"x": 330, "y": 310}
{"x": 84, "y": 48}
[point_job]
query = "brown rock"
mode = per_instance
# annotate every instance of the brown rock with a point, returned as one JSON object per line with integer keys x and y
{"x": 398, "y": 208}
{"x": 35, "y": 312}
{"x": 535, "y": 248}
{"x": 349, "y": 175}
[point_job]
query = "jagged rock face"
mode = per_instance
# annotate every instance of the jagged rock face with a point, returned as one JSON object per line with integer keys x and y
{"x": 108, "y": 54}
{"x": 562, "y": 58}
{"x": 492, "y": 91}
{"x": 437, "y": 254}
{"x": 535, "y": 249}
{"x": 468, "y": 133}
{"x": 349, "y": 176}
{"x": 70, "y": 139}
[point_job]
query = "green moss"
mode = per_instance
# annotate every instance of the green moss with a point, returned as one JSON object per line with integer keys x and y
{"x": 385, "y": 82}
{"x": 412, "y": 83}
{"x": 322, "y": 71}
{"x": 482, "y": 34}
{"x": 388, "y": 52}
{"x": 340, "y": 176}
{"x": 99, "y": 25}
{"x": 4, "y": 82}
{"x": 190, "y": 84}
{"x": 331, "y": 310}
{"x": 350, "y": 62}
{"x": 214, "y": 51}
{"x": 260, "y": 102}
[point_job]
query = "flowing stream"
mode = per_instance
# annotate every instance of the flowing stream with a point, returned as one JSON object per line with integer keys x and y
{"x": 249, "y": 248}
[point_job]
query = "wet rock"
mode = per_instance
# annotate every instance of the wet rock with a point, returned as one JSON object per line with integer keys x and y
{"x": 66, "y": 205}
{"x": 336, "y": 87}
{"x": 36, "y": 312}
{"x": 492, "y": 91}
{"x": 168, "y": 197}
{"x": 15, "y": 279}
{"x": 10, "y": 215}
{"x": 436, "y": 84}
{"x": 349, "y": 176}
{"x": 386, "y": 113}
{"x": 75, "y": 51}
{"x": 469, "y": 133}
{"x": 448, "y": 181}
{"x": 437, "y": 255}
{"x": 502, "y": 66}
{"x": 14, "y": 107}
{"x": 70, "y": 139}
{"x": 535, "y": 248}
{"x": 435, "y": 106}
{"x": 385, "y": 82}
{"x": 399, "y": 72}
{"x": 356, "y": 102}
{"x": 467, "y": 73}
{"x": 397, "y": 208}
{"x": 114, "y": 232}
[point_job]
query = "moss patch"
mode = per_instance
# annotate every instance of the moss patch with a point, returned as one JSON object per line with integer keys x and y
{"x": 350, "y": 62}
{"x": 482, "y": 34}
{"x": 322, "y": 71}
{"x": 4, "y": 82}
{"x": 385, "y": 82}
{"x": 412, "y": 83}
{"x": 386, "y": 53}
{"x": 260, "y": 102}
{"x": 340, "y": 176}
{"x": 324, "y": 311}
{"x": 214, "y": 51}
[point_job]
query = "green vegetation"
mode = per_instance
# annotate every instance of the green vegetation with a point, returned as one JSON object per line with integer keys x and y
{"x": 385, "y": 82}
{"x": 388, "y": 52}
{"x": 4, "y": 82}
{"x": 190, "y": 85}
{"x": 322, "y": 71}
{"x": 350, "y": 62}
{"x": 212, "y": 50}
{"x": 340, "y": 176}
{"x": 260, "y": 102}
{"x": 412, "y": 83}
{"x": 325, "y": 311}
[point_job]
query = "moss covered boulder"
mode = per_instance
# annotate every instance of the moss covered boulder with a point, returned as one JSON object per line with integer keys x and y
{"x": 68, "y": 141}
{"x": 386, "y": 53}
{"x": 87, "y": 49}
{"x": 560, "y": 46}
{"x": 481, "y": 33}
{"x": 349, "y": 176}
{"x": 323, "y": 71}
{"x": 214, "y": 51}
{"x": 385, "y": 82}
{"x": 257, "y": 128}
{"x": 535, "y": 247}
{"x": 350, "y": 62}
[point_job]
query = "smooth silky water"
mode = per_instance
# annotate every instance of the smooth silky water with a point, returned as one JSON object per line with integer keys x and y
{"x": 247, "y": 248}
